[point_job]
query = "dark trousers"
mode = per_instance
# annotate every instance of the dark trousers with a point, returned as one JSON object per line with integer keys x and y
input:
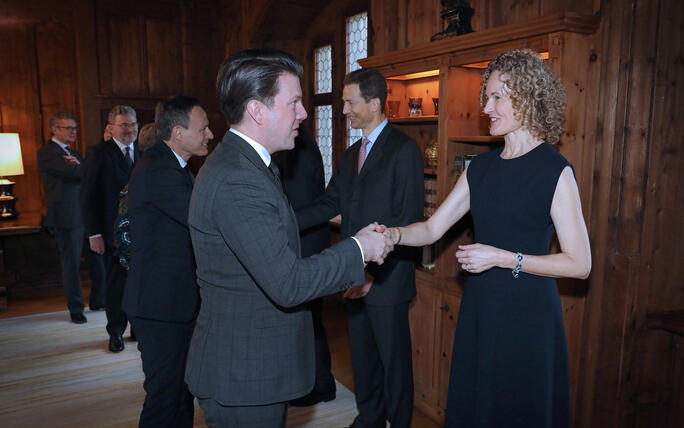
{"x": 325, "y": 381}
{"x": 98, "y": 278}
{"x": 217, "y": 415}
{"x": 70, "y": 244}
{"x": 116, "y": 279}
{"x": 164, "y": 350}
{"x": 381, "y": 356}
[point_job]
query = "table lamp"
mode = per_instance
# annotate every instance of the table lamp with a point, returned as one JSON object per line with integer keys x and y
{"x": 10, "y": 164}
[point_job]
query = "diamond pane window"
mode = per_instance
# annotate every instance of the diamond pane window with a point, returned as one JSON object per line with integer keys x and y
{"x": 357, "y": 48}
{"x": 357, "y": 40}
{"x": 324, "y": 136}
{"x": 323, "y": 64}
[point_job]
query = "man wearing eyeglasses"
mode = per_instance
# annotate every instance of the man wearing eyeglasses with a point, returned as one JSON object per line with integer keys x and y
{"x": 60, "y": 168}
{"x": 106, "y": 171}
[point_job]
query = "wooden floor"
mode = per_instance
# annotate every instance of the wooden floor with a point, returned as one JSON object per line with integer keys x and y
{"x": 55, "y": 373}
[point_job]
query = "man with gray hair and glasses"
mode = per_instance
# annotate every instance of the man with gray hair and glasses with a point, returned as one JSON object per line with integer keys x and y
{"x": 61, "y": 168}
{"x": 107, "y": 168}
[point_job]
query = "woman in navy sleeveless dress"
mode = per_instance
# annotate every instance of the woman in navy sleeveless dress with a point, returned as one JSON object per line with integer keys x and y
{"x": 509, "y": 366}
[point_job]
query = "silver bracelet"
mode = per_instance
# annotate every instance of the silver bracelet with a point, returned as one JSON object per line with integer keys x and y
{"x": 516, "y": 272}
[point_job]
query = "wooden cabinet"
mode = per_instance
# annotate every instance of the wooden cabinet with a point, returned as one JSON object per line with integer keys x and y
{"x": 451, "y": 70}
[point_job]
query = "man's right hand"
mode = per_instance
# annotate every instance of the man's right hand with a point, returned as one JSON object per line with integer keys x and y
{"x": 375, "y": 245}
{"x": 97, "y": 245}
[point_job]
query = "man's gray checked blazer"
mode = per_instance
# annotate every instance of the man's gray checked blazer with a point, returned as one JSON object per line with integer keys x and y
{"x": 252, "y": 345}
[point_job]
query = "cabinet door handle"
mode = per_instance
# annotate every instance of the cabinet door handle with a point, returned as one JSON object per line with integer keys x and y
{"x": 444, "y": 308}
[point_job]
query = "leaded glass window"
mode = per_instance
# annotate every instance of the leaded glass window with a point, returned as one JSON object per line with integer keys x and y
{"x": 357, "y": 48}
{"x": 323, "y": 61}
{"x": 324, "y": 137}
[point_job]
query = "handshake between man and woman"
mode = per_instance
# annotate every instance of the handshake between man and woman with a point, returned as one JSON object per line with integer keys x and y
{"x": 376, "y": 242}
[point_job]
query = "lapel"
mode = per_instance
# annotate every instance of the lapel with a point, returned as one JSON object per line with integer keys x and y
{"x": 251, "y": 154}
{"x": 169, "y": 158}
{"x": 248, "y": 151}
{"x": 57, "y": 149}
{"x": 116, "y": 155}
{"x": 375, "y": 155}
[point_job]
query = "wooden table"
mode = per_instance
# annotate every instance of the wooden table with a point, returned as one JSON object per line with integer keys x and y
{"x": 25, "y": 224}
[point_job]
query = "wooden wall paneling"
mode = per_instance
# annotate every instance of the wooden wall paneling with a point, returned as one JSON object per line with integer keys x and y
{"x": 663, "y": 226}
{"x": 423, "y": 314}
{"x": 56, "y": 70}
{"x": 450, "y": 305}
{"x": 614, "y": 29}
{"x": 163, "y": 49}
{"x": 501, "y": 12}
{"x": 636, "y": 142}
{"x": 88, "y": 74}
{"x": 125, "y": 50}
{"x": 634, "y": 178}
{"x": 422, "y": 21}
{"x": 20, "y": 106}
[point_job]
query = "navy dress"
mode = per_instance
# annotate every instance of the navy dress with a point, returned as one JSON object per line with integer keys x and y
{"x": 510, "y": 362}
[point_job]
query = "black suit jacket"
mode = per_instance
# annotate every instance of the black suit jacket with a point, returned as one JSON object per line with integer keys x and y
{"x": 303, "y": 178}
{"x": 388, "y": 190}
{"x": 62, "y": 183}
{"x": 161, "y": 283}
{"x": 105, "y": 173}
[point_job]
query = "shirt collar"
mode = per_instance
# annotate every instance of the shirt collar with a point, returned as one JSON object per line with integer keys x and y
{"x": 180, "y": 159}
{"x": 374, "y": 133}
{"x": 261, "y": 150}
{"x": 59, "y": 143}
{"x": 122, "y": 146}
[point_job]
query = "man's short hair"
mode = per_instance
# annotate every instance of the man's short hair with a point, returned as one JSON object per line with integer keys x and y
{"x": 120, "y": 109}
{"x": 371, "y": 83}
{"x": 172, "y": 112}
{"x": 61, "y": 115}
{"x": 252, "y": 75}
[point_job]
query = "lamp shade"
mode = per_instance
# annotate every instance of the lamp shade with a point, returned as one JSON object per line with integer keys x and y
{"x": 10, "y": 155}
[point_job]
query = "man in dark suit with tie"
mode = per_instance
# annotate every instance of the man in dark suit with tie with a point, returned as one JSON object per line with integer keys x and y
{"x": 252, "y": 349}
{"x": 61, "y": 169}
{"x": 380, "y": 178}
{"x": 161, "y": 297}
{"x": 303, "y": 177}
{"x": 107, "y": 168}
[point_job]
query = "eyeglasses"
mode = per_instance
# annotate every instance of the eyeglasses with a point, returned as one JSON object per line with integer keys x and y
{"x": 68, "y": 128}
{"x": 127, "y": 125}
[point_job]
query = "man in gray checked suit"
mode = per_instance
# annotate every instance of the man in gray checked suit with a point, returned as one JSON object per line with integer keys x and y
{"x": 253, "y": 345}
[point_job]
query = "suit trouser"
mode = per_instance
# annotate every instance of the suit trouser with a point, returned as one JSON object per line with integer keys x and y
{"x": 98, "y": 278}
{"x": 217, "y": 415}
{"x": 70, "y": 244}
{"x": 164, "y": 350}
{"x": 325, "y": 381}
{"x": 381, "y": 356}
{"x": 116, "y": 280}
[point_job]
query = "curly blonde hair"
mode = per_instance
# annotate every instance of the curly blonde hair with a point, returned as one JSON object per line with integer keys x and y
{"x": 537, "y": 95}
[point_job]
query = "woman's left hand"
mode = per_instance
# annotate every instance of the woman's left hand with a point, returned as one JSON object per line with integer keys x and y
{"x": 476, "y": 258}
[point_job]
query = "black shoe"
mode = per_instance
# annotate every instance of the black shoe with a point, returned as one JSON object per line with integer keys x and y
{"x": 313, "y": 398}
{"x": 116, "y": 343}
{"x": 78, "y": 318}
{"x": 97, "y": 308}
{"x": 133, "y": 336}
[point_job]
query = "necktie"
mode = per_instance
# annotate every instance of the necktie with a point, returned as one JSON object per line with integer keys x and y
{"x": 129, "y": 159}
{"x": 362, "y": 153}
{"x": 68, "y": 150}
{"x": 276, "y": 172}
